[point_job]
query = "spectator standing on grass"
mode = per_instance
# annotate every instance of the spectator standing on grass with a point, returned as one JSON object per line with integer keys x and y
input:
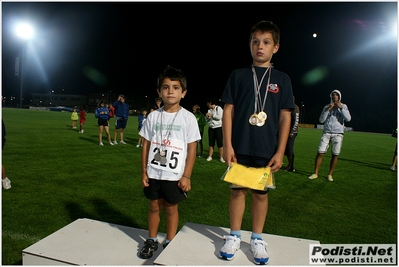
{"x": 395, "y": 153}
{"x": 111, "y": 110}
{"x": 158, "y": 103}
{"x": 170, "y": 140}
{"x": 215, "y": 134}
{"x": 102, "y": 115}
{"x": 255, "y": 135}
{"x": 121, "y": 117}
{"x": 4, "y": 181}
{"x": 289, "y": 150}
{"x": 201, "y": 126}
{"x": 74, "y": 118}
{"x": 333, "y": 116}
{"x": 142, "y": 117}
{"x": 82, "y": 116}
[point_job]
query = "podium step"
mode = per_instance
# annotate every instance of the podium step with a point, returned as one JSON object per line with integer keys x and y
{"x": 91, "y": 242}
{"x": 197, "y": 244}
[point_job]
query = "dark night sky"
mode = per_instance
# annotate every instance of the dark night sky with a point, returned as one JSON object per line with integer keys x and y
{"x": 129, "y": 43}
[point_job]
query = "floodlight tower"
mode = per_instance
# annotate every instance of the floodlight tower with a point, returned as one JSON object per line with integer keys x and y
{"x": 25, "y": 32}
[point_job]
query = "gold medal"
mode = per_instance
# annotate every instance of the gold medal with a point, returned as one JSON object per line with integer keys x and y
{"x": 262, "y": 116}
{"x": 253, "y": 120}
{"x": 260, "y": 123}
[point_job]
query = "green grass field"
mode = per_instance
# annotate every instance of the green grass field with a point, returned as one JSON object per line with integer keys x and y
{"x": 59, "y": 175}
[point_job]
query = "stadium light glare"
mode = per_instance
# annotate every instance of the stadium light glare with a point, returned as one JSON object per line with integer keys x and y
{"x": 24, "y": 31}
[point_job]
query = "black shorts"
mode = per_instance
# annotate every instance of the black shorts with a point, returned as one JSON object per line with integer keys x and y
{"x": 252, "y": 161}
{"x": 215, "y": 134}
{"x": 168, "y": 190}
{"x": 102, "y": 122}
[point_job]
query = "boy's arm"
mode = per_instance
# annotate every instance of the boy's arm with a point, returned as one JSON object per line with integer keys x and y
{"x": 324, "y": 114}
{"x": 276, "y": 161}
{"x": 144, "y": 162}
{"x": 115, "y": 104}
{"x": 296, "y": 120}
{"x": 345, "y": 112}
{"x": 227, "y": 127}
{"x": 127, "y": 113}
{"x": 185, "y": 182}
{"x": 218, "y": 113}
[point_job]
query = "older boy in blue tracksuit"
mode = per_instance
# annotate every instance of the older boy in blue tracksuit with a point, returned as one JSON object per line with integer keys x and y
{"x": 121, "y": 117}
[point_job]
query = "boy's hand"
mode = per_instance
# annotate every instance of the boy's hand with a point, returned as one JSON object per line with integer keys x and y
{"x": 184, "y": 184}
{"x": 330, "y": 107}
{"x": 275, "y": 163}
{"x": 145, "y": 180}
{"x": 229, "y": 155}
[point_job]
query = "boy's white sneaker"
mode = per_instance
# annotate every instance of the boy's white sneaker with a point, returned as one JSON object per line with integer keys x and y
{"x": 101, "y": 144}
{"x": 122, "y": 142}
{"x": 208, "y": 159}
{"x": 6, "y": 183}
{"x": 392, "y": 168}
{"x": 111, "y": 143}
{"x": 229, "y": 248}
{"x": 258, "y": 248}
{"x": 115, "y": 143}
{"x": 313, "y": 176}
{"x": 138, "y": 146}
{"x": 222, "y": 160}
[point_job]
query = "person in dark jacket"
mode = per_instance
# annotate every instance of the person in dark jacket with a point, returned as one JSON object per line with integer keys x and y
{"x": 121, "y": 117}
{"x": 289, "y": 149}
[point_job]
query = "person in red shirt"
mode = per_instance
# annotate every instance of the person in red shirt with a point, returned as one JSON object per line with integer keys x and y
{"x": 82, "y": 116}
{"x": 111, "y": 110}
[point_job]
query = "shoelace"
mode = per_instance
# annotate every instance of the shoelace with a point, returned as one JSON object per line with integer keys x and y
{"x": 260, "y": 246}
{"x": 230, "y": 239}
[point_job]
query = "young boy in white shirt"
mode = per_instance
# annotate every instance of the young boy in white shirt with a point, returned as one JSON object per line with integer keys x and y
{"x": 169, "y": 150}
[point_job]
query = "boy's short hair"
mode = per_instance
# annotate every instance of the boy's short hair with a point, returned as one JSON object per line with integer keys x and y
{"x": 174, "y": 75}
{"x": 266, "y": 26}
{"x": 158, "y": 99}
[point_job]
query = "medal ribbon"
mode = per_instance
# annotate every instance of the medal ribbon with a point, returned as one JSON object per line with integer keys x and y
{"x": 257, "y": 86}
{"x": 167, "y": 131}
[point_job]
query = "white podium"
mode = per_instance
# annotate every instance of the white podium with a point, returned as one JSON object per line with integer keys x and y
{"x": 90, "y": 242}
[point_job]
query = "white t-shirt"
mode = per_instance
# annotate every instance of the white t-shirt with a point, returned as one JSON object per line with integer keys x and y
{"x": 178, "y": 129}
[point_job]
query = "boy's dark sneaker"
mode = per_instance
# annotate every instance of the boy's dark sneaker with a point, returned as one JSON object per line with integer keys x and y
{"x": 148, "y": 250}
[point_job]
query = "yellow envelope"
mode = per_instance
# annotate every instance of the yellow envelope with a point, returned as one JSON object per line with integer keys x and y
{"x": 249, "y": 177}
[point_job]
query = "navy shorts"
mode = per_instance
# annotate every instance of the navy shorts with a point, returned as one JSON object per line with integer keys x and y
{"x": 168, "y": 190}
{"x": 120, "y": 123}
{"x": 252, "y": 161}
